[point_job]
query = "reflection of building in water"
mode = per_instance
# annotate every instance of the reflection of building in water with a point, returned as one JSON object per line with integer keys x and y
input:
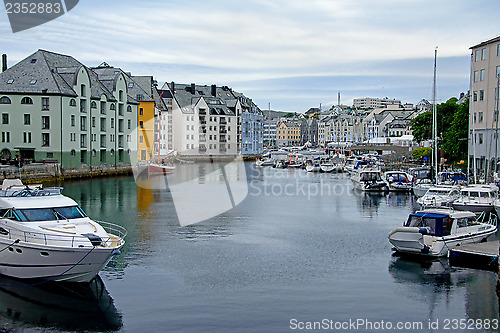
{"x": 54, "y": 306}
{"x": 396, "y": 199}
{"x": 368, "y": 202}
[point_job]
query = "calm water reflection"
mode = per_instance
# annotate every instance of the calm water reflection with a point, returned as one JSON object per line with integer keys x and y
{"x": 300, "y": 245}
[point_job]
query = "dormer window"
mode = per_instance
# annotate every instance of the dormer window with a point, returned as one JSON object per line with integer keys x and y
{"x": 10, "y": 81}
{"x": 33, "y": 61}
{"x": 131, "y": 85}
{"x": 32, "y": 82}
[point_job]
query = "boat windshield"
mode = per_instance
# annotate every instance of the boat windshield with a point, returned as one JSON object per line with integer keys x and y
{"x": 436, "y": 224}
{"x": 437, "y": 192}
{"x": 370, "y": 176}
{"x": 48, "y": 214}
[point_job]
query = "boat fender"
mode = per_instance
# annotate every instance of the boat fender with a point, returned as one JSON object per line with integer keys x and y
{"x": 423, "y": 231}
{"x": 426, "y": 249}
{"x": 94, "y": 239}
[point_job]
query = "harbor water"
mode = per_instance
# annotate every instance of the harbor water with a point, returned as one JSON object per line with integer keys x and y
{"x": 301, "y": 251}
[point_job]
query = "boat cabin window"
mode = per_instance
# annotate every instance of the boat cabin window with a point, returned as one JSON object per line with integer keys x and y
{"x": 466, "y": 222}
{"x": 484, "y": 194}
{"x": 48, "y": 214}
{"x": 454, "y": 192}
{"x": 437, "y": 225}
{"x": 370, "y": 176}
{"x": 473, "y": 194}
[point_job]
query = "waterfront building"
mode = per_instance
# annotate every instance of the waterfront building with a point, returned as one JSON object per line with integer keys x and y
{"x": 371, "y": 103}
{"x": 250, "y": 134}
{"x": 288, "y": 133}
{"x": 54, "y": 108}
{"x": 379, "y": 123}
{"x": 269, "y": 132}
{"x": 204, "y": 119}
{"x": 483, "y": 122}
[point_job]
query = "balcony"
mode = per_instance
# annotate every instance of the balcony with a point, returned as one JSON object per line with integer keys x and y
{"x": 202, "y": 111}
{"x": 202, "y": 148}
{"x": 222, "y": 148}
{"x": 202, "y": 129}
{"x": 222, "y": 140}
{"x": 202, "y": 138}
{"x": 203, "y": 122}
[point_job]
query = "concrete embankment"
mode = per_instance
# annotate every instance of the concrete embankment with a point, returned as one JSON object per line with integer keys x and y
{"x": 39, "y": 172}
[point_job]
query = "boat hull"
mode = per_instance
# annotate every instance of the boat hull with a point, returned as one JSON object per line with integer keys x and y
{"x": 475, "y": 208}
{"x": 32, "y": 261}
{"x": 160, "y": 169}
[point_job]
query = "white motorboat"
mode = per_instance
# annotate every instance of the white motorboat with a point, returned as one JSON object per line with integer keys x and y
{"x": 477, "y": 198}
{"x": 439, "y": 196}
{"x": 264, "y": 162}
{"x": 313, "y": 166}
{"x": 370, "y": 180}
{"x": 433, "y": 232}
{"x": 327, "y": 166}
{"x": 398, "y": 181}
{"x": 421, "y": 186}
{"x": 44, "y": 234}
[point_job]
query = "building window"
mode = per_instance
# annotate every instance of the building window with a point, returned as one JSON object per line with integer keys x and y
{"x": 474, "y": 98}
{"x": 141, "y": 124}
{"x": 83, "y": 105}
{"x": 5, "y": 118}
{"x": 141, "y": 139}
{"x": 129, "y": 108}
{"x": 83, "y": 123}
{"x": 103, "y": 107}
{"x": 112, "y": 122}
{"x": 103, "y": 124}
{"x": 26, "y": 100}
{"x": 45, "y": 122}
{"x": 83, "y": 140}
{"x": 129, "y": 124}
{"x": 476, "y": 55}
{"x": 120, "y": 109}
{"x": 476, "y": 76}
{"x": 5, "y": 136}
{"x": 480, "y": 114}
{"x": 482, "y": 74}
{"x": 73, "y": 153}
{"x": 120, "y": 95}
{"x": 141, "y": 111}
{"x": 480, "y": 138}
{"x": 27, "y": 137}
{"x": 45, "y": 140}
{"x": 483, "y": 54}
{"x": 27, "y": 119}
{"x": 498, "y": 50}
{"x": 112, "y": 107}
{"x": 93, "y": 105}
{"x": 82, "y": 90}
{"x": 120, "y": 125}
{"x": 45, "y": 104}
{"x": 481, "y": 95}
{"x": 5, "y": 100}
{"x": 72, "y": 120}
{"x": 72, "y": 102}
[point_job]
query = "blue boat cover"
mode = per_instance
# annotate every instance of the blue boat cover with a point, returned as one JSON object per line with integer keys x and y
{"x": 430, "y": 215}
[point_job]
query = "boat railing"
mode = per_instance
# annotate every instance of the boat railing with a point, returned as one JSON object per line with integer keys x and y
{"x": 116, "y": 234}
{"x": 492, "y": 219}
{"x": 30, "y": 192}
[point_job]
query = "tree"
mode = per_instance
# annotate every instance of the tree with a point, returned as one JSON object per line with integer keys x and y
{"x": 455, "y": 138}
{"x": 289, "y": 115}
{"x": 421, "y": 127}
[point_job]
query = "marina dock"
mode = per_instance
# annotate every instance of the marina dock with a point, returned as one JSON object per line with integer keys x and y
{"x": 479, "y": 255}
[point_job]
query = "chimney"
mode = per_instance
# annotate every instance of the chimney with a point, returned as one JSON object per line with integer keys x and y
{"x": 213, "y": 90}
{"x": 172, "y": 87}
{"x": 193, "y": 88}
{"x": 4, "y": 62}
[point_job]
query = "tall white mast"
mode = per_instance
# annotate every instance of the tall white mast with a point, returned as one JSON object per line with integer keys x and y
{"x": 434, "y": 118}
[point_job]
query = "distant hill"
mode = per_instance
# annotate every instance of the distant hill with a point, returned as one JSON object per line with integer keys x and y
{"x": 275, "y": 114}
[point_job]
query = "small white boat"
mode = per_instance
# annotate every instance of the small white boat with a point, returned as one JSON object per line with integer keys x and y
{"x": 327, "y": 166}
{"x": 477, "y": 198}
{"x": 46, "y": 235}
{"x": 433, "y": 232}
{"x": 398, "y": 181}
{"x": 421, "y": 186}
{"x": 370, "y": 180}
{"x": 313, "y": 166}
{"x": 160, "y": 169}
{"x": 264, "y": 162}
{"x": 439, "y": 196}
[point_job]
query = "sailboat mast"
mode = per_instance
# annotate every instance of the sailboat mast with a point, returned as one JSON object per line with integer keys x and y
{"x": 496, "y": 129}
{"x": 434, "y": 116}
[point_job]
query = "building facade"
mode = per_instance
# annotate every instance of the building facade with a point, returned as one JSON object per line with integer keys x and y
{"x": 483, "y": 104}
{"x": 55, "y": 108}
{"x": 288, "y": 134}
{"x": 371, "y": 103}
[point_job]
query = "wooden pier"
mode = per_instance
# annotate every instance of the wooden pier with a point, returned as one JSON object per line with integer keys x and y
{"x": 479, "y": 255}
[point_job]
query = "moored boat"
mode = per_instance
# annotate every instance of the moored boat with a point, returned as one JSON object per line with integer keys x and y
{"x": 433, "y": 232}
{"x": 439, "y": 196}
{"x": 369, "y": 180}
{"x": 477, "y": 198}
{"x": 46, "y": 235}
{"x": 398, "y": 181}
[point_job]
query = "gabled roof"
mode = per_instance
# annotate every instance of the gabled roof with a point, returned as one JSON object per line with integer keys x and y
{"x": 109, "y": 76}
{"x": 37, "y": 74}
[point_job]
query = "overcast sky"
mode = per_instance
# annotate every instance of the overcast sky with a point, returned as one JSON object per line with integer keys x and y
{"x": 293, "y": 54}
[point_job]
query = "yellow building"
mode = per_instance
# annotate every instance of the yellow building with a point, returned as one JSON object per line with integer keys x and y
{"x": 288, "y": 134}
{"x": 147, "y": 95}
